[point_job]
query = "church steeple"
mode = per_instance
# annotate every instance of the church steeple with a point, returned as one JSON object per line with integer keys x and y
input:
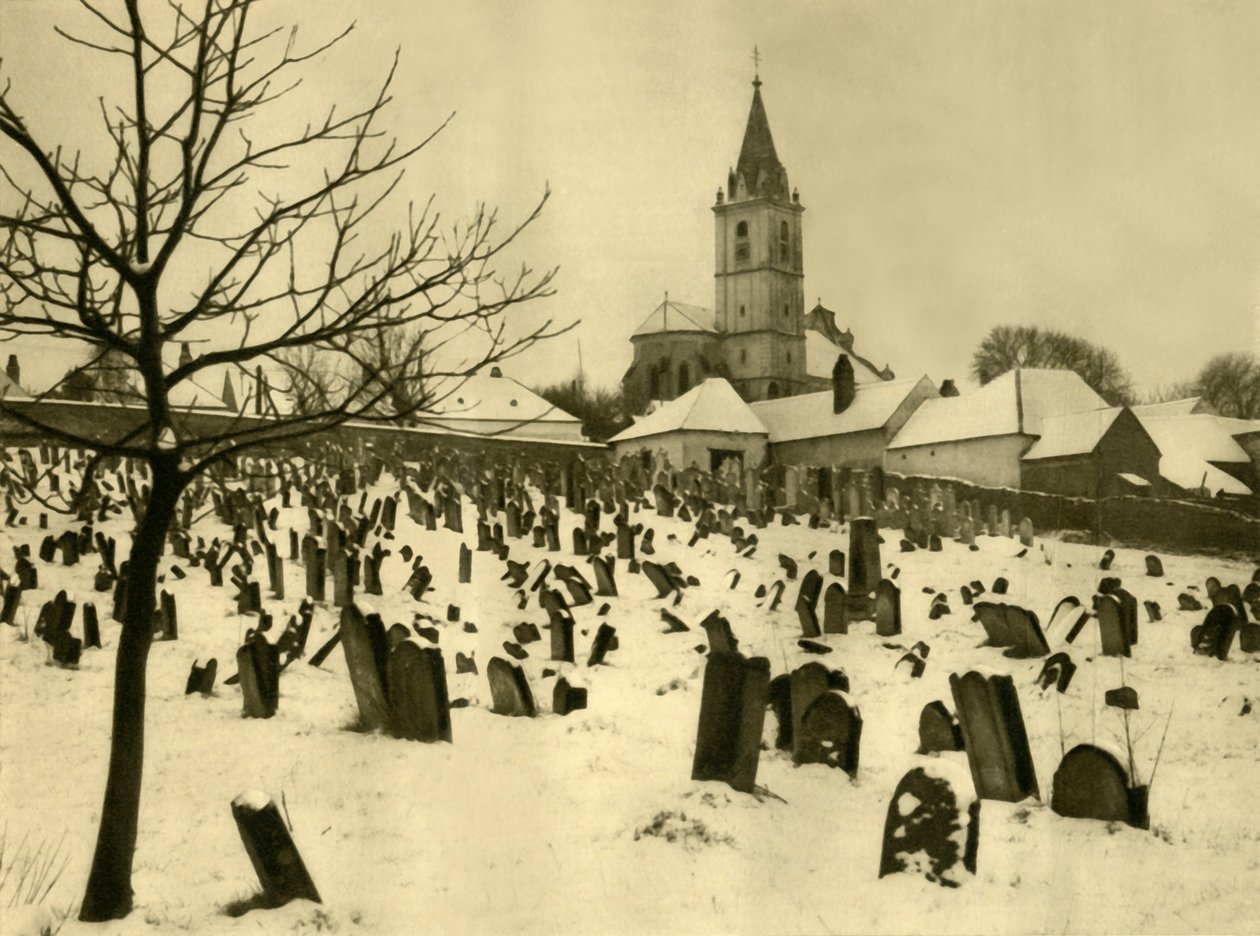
{"x": 758, "y": 173}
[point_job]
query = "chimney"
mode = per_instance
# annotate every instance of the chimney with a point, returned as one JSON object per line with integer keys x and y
{"x": 185, "y": 354}
{"x": 13, "y": 370}
{"x": 842, "y": 388}
{"x": 948, "y": 389}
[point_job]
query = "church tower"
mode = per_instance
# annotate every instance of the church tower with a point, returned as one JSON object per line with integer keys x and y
{"x": 760, "y": 296}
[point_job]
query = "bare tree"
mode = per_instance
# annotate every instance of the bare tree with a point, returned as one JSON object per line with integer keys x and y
{"x": 287, "y": 229}
{"x": 1230, "y": 383}
{"x": 1009, "y": 346}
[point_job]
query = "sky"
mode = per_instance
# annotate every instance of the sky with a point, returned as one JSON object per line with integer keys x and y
{"x": 1093, "y": 167}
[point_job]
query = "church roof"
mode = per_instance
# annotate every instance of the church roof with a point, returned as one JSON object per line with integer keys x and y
{"x": 811, "y": 415}
{"x": 759, "y": 164}
{"x": 821, "y": 354}
{"x": 672, "y": 316}
{"x": 711, "y": 406}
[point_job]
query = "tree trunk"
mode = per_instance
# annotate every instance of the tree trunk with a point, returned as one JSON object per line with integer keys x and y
{"x": 109, "y": 895}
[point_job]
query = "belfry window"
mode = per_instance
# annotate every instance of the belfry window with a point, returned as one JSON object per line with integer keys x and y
{"x": 684, "y": 378}
{"x": 742, "y": 250}
{"x": 785, "y": 242}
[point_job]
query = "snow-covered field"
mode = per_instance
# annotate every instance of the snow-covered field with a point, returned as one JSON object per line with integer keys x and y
{"x": 590, "y": 823}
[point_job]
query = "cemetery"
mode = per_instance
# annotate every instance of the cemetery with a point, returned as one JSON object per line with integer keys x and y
{"x": 548, "y": 695}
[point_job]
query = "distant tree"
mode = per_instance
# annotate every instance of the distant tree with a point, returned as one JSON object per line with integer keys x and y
{"x": 107, "y": 377}
{"x": 1009, "y": 346}
{"x": 603, "y": 412}
{"x": 1230, "y": 383}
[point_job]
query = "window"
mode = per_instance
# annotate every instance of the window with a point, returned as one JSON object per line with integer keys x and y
{"x": 684, "y": 378}
{"x": 743, "y": 356}
{"x": 654, "y": 384}
{"x": 786, "y": 313}
{"x": 772, "y": 391}
{"x": 785, "y": 242}
{"x": 741, "y": 229}
{"x": 742, "y": 250}
{"x": 742, "y": 311}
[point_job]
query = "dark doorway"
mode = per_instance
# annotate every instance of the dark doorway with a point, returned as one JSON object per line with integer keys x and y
{"x": 719, "y": 457}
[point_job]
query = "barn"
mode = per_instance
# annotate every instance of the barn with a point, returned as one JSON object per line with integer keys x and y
{"x": 1093, "y": 453}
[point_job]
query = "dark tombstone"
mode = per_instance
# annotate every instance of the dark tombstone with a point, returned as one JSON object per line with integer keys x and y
{"x": 1107, "y": 559}
{"x": 1027, "y": 639}
{"x": 829, "y": 732}
{"x": 1000, "y": 585}
{"x": 930, "y": 829}
{"x": 673, "y": 623}
{"x": 366, "y": 646}
{"x": 864, "y": 562}
{"x": 732, "y": 716}
{"x": 465, "y": 564}
{"x": 561, "y": 635}
{"x": 12, "y": 598}
{"x": 807, "y": 603}
{"x": 566, "y": 698}
{"x": 516, "y": 651}
{"x": 509, "y": 689}
{"x": 994, "y": 736}
{"x": 938, "y": 729}
{"x": 887, "y": 609}
{"x": 270, "y": 847}
{"x": 465, "y": 663}
{"x": 396, "y": 634}
{"x": 1215, "y": 635}
{"x": 1111, "y": 630}
{"x": 806, "y": 683}
{"x": 911, "y": 664}
{"x": 525, "y": 633}
{"x": 91, "y": 626}
{"x": 835, "y": 563}
{"x": 580, "y": 545}
{"x": 779, "y": 699}
{"x": 605, "y": 582}
{"x": 1128, "y": 614}
{"x": 1187, "y": 602}
{"x": 258, "y": 666}
{"x": 201, "y": 678}
{"x": 1091, "y": 783}
{"x": 1057, "y": 671}
{"x": 1125, "y": 697}
{"x": 602, "y": 645}
{"x": 835, "y": 613}
{"x": 1154, "y": 567}
{"x": 721, "y": 637}
{"x": 419, "y": 706}
{"x": 1153, "y": 613}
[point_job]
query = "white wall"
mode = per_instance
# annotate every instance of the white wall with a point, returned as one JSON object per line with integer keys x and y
{"x": 992, "y": 461}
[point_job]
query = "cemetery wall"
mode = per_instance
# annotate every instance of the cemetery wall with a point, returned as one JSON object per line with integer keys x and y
{"x": 104, "y": 421}
{"x": 851, "y": 450}
{"x": 992, "y": 461}
{"x": 687, "y": 448}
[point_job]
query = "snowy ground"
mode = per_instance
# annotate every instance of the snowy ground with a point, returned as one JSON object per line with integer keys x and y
{"x": 590, "y": 823}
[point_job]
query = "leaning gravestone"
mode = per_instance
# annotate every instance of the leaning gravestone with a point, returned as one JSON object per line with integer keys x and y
{"x": 933, "y": 827}
{"x": 364, "y": 641}
{"x": 1215, "y": 635}
{"x": 732, "y": 715}
{"x": 938, "y": 729}
{"x": 1111, "y": 629}
{"x": 807, "y": 603}
{"x": 258, "y": 663}
{"x": 419, "y": 707}
{"x": 994, "y": 736}
{"x": 509, "y": 689}
{"x": 275, "y": 858}
{"x": 1091, "y": 783}
{"x": 830, "y": 732}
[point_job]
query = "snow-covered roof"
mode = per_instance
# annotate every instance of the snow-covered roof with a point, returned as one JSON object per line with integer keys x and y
{"x": 810, "y": 415}
{"x": 1015, "y": 403}
{"x": 711, "y": 406}
{"x": 485, "y": 396}
{"x": 821, "y": 354}
{"x": 1072, "y": 433}
{"x": 1182, "y": 407}
{"x": 672, "y": 316}
{"x": 1190, "y": 445}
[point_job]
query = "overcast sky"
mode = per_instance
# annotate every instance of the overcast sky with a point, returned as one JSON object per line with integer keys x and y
{"x": 1088, "y": 166}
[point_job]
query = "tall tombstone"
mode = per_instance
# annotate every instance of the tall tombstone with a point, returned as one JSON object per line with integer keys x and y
{"x": 419, "y": 706}
{"x": 1092, "y": 783}
{"x": 366, "y": 646}
{"x": 864, "y": 560}
{"x": 887, "y": 609}
{"x": 829, "y": 732}
{"x": 509, "y": 689}
{"x": 994, "y": 736}
{"x": 258, "y": 663}
{"x": 1215, "y": 635}
{"x": 807, "y": 603}
{"x": 1111, "y": 630}
{"x": 732, "y": 716}
{"x": 805, "y": 684}
{"x": 933, "y": 826}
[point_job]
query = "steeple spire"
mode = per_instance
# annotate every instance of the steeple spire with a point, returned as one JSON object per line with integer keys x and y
{"x": 762, "y": 174}
{"x": 756, "y": 57}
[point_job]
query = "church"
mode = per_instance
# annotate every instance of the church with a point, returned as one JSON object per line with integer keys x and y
{"x": 757, "y": 335}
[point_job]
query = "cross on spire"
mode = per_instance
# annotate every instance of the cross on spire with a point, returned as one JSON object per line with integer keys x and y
{"x": 756, "y": 57}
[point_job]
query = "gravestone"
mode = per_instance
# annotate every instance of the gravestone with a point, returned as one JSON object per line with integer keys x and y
{"x": 566, "y": 698}
{"x": 605, "y": 641}
{"x": 994, "y": 736}
{"x": 1058, "y": 671}
{"x": 419, "y": 706}
{"x": 1215, "y": 635}
{"x": 938, "y": 729}
{"x": 258, "y": 663}
{"x": 509, "y": 689}
{"x": 1067, "y": 620}
{"x": 732, "y": 716}
{"x": 1154, "y": 567}
{"x": 366, "y": 646}
{"x": 835, "y": 614}
{"x": 271, "y": 850}
{"x": 718, "y": 630}
{"x": 1092, "y": 783}
{"x": 864, "y": 561}
{"x": 933, "y": 827}
{"x": 887, "y": 609}
{"x": 201, "y": 678}
{"x": 835, "y": 563}
{"x": 807, "y": 603}
{"x": 829, "y": 732}
{"x": 1111, "y": 630}
{"x": 805, "y": 683}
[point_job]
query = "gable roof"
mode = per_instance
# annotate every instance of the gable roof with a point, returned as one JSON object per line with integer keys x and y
{"x": 821, "y": 354}
{"x": 1182, "y": 407}
{"x": 1014, "y": 404}
{"x": 1192, "y": 446}
{"x": 672, "y": 316}
{"x": 711, "y": 406}
{"x": 810, "y": 415}
{"x": 484, "y": 396}
{"x": 1072, "y": 433}
{"x": 759, "y": 164}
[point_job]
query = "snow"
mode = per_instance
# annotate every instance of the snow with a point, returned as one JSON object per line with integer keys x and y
{"x": 590, "y": 823}
{"x": 710, "y": 406}
{"x": 820, "y": 359}
{"x": 672, "y": 316}
{"x": 484, "y": 396}
{"x": 811, "y": 415}
{"x": 1072, "y": 433}
{"x": 253, "y": 800}
{"x": 1191, "y": 449}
